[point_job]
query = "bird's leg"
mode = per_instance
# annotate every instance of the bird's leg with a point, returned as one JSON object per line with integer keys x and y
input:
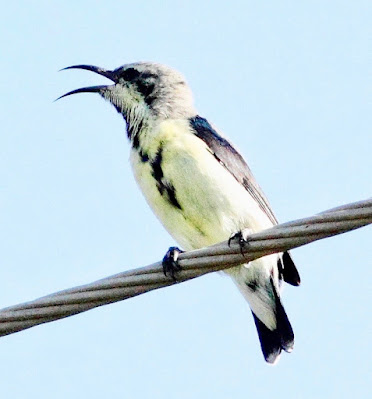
{"x": 242, "y": 237}
{"x": 170, "y": 262}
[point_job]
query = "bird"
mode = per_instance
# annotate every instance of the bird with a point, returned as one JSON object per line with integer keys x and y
{"x": 198, "y": 185}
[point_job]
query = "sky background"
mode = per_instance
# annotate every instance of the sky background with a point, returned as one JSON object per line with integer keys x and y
{"x": 287, "y": 82}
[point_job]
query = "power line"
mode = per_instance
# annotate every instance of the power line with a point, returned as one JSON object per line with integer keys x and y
{"x": 195, "y": 263}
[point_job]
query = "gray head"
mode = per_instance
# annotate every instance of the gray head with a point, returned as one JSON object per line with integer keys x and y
{"x": 143, "y": 93}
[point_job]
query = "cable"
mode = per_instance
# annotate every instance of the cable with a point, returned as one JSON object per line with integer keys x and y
{"x": 195, "y": 263}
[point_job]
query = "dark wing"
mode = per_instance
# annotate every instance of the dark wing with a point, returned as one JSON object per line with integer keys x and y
{"x": 227, "y": 155}
{"x": 288, "y": 270}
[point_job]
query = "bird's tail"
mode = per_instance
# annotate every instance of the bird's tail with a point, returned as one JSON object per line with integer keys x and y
{"x": 262, "y": 293}
{"x": 281, "y": 337}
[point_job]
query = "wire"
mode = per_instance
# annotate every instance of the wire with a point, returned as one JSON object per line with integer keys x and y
{"x": 195, "y": 263}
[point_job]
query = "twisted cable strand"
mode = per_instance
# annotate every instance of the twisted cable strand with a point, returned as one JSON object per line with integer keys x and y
{"x": 195, "y": 263}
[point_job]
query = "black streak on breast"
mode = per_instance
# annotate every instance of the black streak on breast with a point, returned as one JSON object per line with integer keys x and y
{"x": 165, "y": 188}
{"x": 253, "y": 285}
{"x": 136, "y": 143}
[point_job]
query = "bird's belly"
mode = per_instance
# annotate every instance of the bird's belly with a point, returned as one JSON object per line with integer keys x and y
{"x": 209, "y": 204}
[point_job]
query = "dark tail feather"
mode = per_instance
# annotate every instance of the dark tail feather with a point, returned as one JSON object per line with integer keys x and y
{"x": 273, "y": 341}
{"x": 288, "y": 269}
{"x": 270, "y": 342}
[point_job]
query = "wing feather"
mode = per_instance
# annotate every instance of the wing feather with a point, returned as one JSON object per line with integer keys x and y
{"x": 230, "y": 158}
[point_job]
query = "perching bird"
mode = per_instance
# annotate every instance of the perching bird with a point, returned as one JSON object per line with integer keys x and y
{"x": 198, "y": 185}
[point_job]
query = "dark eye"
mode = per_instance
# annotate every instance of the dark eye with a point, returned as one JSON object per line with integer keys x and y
{"x": 130, "y": 74}
{"x": 145, "y": 87}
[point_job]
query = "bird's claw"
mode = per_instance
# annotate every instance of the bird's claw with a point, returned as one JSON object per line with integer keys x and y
{"x": 241, "y": 237}
{"x": 170, "y": 262}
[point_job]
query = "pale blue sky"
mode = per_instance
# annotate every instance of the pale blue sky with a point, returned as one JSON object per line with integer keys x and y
{"x": 287, "y": 82}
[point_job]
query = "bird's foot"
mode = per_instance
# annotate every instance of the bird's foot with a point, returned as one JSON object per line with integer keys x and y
{"x": 242, "y": 237}
{"x": 170, "y": 262}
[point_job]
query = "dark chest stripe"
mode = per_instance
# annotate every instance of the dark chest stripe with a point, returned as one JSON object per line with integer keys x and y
{"x": 227, "y": 155}
{"x": 165, "y": 188}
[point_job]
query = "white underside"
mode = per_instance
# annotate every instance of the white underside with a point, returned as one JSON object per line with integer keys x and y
{"x": 214, "y": 206}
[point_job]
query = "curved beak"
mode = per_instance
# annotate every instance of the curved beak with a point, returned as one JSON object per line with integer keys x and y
{"x": 103, "y": 72}
{"x": 92, "y": 89}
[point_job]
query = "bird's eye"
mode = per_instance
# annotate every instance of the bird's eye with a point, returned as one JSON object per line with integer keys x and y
{"x": 130, "y": 74}
{"x": 145, "y": 87}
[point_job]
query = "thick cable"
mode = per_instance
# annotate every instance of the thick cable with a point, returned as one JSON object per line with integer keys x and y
{"x": 195, "y": 263}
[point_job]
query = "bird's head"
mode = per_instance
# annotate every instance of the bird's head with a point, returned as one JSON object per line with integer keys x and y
{"x": 143, "y": 93}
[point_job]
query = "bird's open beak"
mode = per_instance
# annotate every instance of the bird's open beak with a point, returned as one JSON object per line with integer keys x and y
{"x": 92, "y": 89}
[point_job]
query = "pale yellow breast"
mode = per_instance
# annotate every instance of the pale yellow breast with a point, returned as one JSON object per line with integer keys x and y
{"x": 213, "y": 204}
